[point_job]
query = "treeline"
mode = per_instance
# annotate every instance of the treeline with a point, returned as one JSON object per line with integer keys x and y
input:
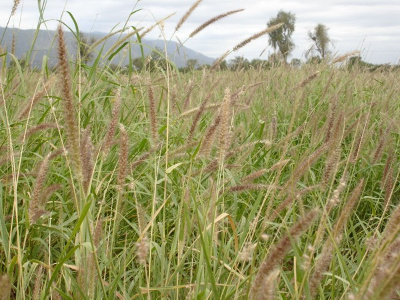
{"x": 356, "y": 62}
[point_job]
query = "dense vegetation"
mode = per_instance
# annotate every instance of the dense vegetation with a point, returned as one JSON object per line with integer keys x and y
{"x": 278, "y": 183}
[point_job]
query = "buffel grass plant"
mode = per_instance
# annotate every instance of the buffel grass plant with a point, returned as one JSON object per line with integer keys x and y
{"x": 274, "y": 183}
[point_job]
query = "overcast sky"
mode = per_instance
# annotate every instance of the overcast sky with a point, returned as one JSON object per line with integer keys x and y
{"x": 371, "y": 26}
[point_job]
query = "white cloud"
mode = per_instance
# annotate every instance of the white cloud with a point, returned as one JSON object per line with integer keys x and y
{"x": 371, "y": 26}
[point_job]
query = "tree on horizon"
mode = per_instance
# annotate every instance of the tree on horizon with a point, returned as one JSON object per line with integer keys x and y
{"x": 281, "y": 38}
{"x": 320, "y": 41}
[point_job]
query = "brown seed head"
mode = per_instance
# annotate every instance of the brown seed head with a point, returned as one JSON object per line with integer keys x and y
{"x": 257, "y": 35}
{"x": 187, "y": 14}
{"x": 69, "y": 106}
{"x": 213, "y": 20}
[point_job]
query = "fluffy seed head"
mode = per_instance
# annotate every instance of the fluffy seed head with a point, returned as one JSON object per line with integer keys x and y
{"x": 278, "y": 253}
{"x": 187, "y": 14}
{"x": 142, "y": 250}
{"x": 213, "y": 20}
{"x": 256, "y": 36}
{"x": 69, "y": 106}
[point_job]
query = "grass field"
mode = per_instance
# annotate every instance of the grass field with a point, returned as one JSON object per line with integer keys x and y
{"x": 247, "y": 184}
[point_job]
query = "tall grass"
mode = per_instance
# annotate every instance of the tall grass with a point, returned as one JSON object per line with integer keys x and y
{"x": 276, "y": 183}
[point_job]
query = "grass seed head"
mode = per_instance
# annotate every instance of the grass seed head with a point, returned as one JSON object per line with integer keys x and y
{"x": 187, "y": 14}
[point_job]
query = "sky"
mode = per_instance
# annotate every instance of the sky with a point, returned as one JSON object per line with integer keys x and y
{"x": 370, "y": 26}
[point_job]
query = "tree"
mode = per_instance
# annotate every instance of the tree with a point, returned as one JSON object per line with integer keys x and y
{"x": 296, "y": 63}
{"x": 259, "y": 63}
{"x": 320, "y": 39}
{"x": 84, "y": 46}
{"x": 275, "y": 59}
{"x": 156, "y": 60}
{"x": 314, "y": 59}
{"x": 138, "y": 63}
{"x": 281, "y": 38}
{"x": 239, "y": 62}
{"x": 223, "y": 65}
{"x": 192, "y": 64}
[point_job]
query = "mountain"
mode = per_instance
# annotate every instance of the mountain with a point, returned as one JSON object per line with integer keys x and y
{"x": 46, "y": 46}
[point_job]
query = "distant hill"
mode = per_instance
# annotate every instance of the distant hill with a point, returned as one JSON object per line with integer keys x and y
{"x": 45, "y": 45}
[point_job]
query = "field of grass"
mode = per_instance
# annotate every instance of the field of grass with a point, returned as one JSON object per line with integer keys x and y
{"x": 256, "y": 184}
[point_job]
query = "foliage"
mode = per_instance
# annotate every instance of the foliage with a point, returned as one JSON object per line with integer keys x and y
{"x": 281, "y": 39}
{"x": 192, "y": 64}
{"x": 295, "y": 62}
{"x": 320, "y": 39}
{"x": 238, "y": 63}
{"x": 315, "y": 59}
{"x": 84, "y": 46}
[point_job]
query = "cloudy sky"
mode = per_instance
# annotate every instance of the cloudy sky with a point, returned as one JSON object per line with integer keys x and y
{"x": 371, "y": 26}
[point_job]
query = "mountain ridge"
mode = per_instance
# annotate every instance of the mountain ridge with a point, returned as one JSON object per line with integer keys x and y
{"x": 45, "y": 47}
